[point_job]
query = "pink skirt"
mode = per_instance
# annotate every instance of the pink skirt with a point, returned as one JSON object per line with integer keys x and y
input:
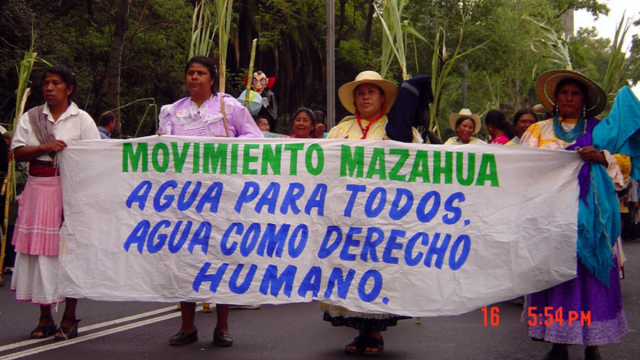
{"x": 37, "y": 230}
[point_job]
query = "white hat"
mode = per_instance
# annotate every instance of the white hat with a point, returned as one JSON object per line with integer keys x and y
{"x": 453, "y": 118}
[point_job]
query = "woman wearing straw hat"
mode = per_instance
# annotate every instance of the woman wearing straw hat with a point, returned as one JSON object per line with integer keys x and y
{"x": 466, "y": 125}
{"x": 575, "y": 100}
{"x": 369, "y": 98}
{"x": 205, "y": 113}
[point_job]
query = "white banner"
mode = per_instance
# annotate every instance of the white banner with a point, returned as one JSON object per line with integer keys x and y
{"x": 376, "y": 226}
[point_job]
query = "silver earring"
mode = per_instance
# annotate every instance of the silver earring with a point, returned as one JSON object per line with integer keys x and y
{"x": 584, "y": 111}
{"x": 555, "y": 106}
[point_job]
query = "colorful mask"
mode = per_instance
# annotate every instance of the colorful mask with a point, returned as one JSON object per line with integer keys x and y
{"x": 259, "y": 82}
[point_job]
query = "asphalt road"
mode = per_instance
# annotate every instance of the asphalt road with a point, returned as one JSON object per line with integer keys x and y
{"x": 130, "y": 330}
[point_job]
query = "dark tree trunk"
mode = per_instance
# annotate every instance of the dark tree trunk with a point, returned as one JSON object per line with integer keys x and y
{"x": 343, "y": 4}
{"x": 367, "y": 28}
{"x": 115, "y": 60}
{"x": 90, "y": 9}
{"x": 464, "y": 85}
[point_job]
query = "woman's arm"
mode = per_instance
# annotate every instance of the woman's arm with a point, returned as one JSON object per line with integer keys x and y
{"x": 28, "y": 153}
{"x": 589, "y": 153}
{"x": 243, "y": 122}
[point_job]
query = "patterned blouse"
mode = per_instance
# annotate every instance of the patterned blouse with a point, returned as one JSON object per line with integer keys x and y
{"x": 184, "y": 117}
{"x": 348, "y": 128}
{"x": 542, "y": 135}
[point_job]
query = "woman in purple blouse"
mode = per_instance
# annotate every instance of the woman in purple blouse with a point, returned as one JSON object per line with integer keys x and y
{"x": 205, "y": 113}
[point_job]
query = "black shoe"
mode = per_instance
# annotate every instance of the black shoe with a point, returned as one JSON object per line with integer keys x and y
{"x": 558, "y": 352}
{"x": 184, "y": 339}
{"x": 592, "y": 353}
{"x": 222, "y": 339}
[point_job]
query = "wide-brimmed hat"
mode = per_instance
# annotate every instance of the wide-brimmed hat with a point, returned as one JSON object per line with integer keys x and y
{"x": 345, "y": 93}
{"x": 547, "y": 83}
{"x": 453, "y": 117}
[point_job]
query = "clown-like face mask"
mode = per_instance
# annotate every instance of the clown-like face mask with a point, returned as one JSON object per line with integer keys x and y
{"x": 259, "y": 82}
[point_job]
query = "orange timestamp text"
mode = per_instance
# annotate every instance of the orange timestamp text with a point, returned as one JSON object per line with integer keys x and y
{"x": 491, "y": 316}
{"x": 549, "y": 316}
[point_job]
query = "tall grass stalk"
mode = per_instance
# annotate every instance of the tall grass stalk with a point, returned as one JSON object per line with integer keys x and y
{"x": 201, "y": 32}
{"x": 254, "y": 43}
{"x": 551, "y": 47}
{"x": 617, "y": 74}
{"x": 393, "y": 41}
{"x": 223, "y": 14}
{"x": 395, "y": 37}
{"x": 22, "y": 93}
{"x": 150, "y": 106}
{"x": 441, "y": 65}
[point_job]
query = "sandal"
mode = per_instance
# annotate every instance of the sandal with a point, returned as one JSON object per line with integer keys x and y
{"x": 375, "y": 347}
{"x": 356, "y": 346}
{"x": 43, "y": 330}
{"x": 66, "y": 333}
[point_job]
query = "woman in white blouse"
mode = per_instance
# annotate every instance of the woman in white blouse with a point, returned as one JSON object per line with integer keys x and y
{"x": 40, "y": 134}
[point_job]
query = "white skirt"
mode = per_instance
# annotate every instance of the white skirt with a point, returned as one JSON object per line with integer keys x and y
{"x": 35, "y": 279}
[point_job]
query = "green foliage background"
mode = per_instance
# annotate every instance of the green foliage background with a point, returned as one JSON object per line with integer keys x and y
{"x": 291, "y": 47}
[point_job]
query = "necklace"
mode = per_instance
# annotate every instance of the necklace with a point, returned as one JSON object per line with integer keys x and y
{"x": 569, "y": 136}
{"x": 365, "y": 129}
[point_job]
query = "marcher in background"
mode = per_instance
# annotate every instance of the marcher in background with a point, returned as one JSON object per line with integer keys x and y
{"x": 522, "y": 119}
{"x": 303, "y": 123}
{"x": 320, "y": 131}
{"x": 209, "y": 114}
{"x": 263, "y": 123}
{"x": 106, "y": 125}
{"x": 368, "y": 97}
{"x": 498, "y": 127}
{"x": 40, "y": 134}
{"x": 634, "y": 209}
{"x": 576, "y": 100}
{"x": 466, "y": 125}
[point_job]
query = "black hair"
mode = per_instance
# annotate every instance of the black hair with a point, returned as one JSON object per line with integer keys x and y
{"x": 107, "y": 118}
{"x": 463, "y": 118}
{"x": 209, "y": 64}
{"x": 521, "y": 112}
{"x": 321, "y": 118}
{"x": 577, "y": 83}
{"x": 309, "y": 113}
{"x": 498, "y": 119}
{"x": 67, "y": 76}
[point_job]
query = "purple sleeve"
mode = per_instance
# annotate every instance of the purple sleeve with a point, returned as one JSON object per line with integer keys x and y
{"x": 163, "y": 121}
{"x": 243, "y": 123}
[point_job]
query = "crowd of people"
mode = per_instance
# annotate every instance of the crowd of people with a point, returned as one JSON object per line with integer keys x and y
{"x": 572, "y": 99}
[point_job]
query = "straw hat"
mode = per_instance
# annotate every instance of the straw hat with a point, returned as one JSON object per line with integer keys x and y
{"x": 345, "y": 93}
{"x": 453, "y": 117}
{"x": 547, "y": 83}
{"x": 539, "y": 109}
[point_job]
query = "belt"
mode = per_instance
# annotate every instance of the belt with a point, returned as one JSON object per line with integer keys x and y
{"x": 41, "y": 168}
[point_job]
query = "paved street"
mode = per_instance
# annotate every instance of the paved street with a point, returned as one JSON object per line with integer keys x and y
{"x": 128, "y": 330}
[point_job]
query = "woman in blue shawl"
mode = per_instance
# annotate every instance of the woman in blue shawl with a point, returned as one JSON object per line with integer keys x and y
{"x": 594, "y": 295}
